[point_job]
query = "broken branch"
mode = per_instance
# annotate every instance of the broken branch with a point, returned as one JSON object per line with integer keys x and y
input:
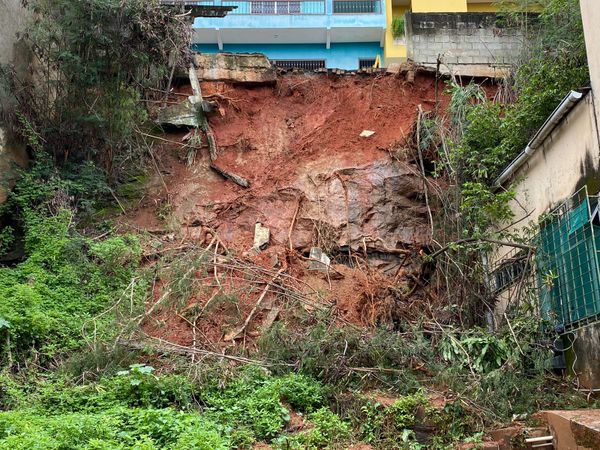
{"x": 233, "y": 335}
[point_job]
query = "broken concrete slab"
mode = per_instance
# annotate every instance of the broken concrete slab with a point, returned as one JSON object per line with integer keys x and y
{"x": 186, "y": 113}
{"x": 366, "y": 133}
{"x": 262, "y": 235}
{"x": 318, "y": 260}
{"x": 246, "y": 68}
{"x": 577, "y": 429}
{"x": 506, "y": 437}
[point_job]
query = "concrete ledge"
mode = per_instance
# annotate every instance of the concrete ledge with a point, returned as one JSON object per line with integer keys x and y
{"x": 575, "y": 430}
{"x": 246, "y": 68}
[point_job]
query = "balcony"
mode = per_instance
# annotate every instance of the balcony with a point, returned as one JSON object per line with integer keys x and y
{"x": 294, "y": 7}
{"x": 277, "y": 7}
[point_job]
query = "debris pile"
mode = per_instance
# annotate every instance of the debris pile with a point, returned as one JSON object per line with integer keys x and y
{"x": 319, "y": 192}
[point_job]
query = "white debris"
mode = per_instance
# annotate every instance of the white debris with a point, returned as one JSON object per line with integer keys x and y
{"x": 318, "y": 260}
{"x": 262, "y": 235}
{"x": 367, "y": 133}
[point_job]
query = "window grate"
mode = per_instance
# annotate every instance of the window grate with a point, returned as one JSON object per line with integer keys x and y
{"x": 356, "y": 6}
{"x": 366, "y": 63}
{"x": 510, "y": 272}
{"x": 567, "y": 258}
{"x": 304, "y": 64}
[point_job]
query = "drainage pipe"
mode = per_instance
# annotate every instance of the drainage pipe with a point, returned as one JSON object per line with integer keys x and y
{"x": 538, "y": 139}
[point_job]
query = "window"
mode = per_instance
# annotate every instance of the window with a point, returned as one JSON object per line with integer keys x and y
{"x": 304, "y": 64}
{"x": 366, "y": 63}
{"x": 275, "y": 7}
{"x": 509, "y": 273}
{"x": 355, "y": 6}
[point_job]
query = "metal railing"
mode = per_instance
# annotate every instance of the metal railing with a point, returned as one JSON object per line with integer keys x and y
{"x": 304, "y": 64}
{"x": 289, "y": 7}
{"x": 567, "y": 261}
{"x": 356, "y": 7}
{"x": 277, "y": 7}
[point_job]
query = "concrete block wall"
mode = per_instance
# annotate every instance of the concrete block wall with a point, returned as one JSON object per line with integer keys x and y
{"x": 461, "y": 39}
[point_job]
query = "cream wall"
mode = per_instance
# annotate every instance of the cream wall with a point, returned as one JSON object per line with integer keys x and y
{"x": 590, "y": 13}
{"x": 568, "y": 160}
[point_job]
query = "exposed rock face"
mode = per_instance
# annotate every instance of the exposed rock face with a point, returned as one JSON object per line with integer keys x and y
{"x": 251, "y": 68}
{"x": 375, "y": 208}
{"x": 12, "y": 156}
{"x": 374, "y": 205}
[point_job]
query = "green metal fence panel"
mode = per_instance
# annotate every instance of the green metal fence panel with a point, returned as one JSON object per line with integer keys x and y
{"x": 568, "y": 272}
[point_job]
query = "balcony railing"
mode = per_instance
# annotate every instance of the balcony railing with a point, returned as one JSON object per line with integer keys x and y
{"x": 295, "y": 7}
{"x": 356, "y": 7}
{"x": 276, "y": 7}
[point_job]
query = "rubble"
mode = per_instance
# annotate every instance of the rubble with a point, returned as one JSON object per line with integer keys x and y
{"x": 318, "y": 260}
{"x": 261, "y": 236}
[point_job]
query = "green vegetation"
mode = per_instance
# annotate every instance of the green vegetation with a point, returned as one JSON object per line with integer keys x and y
{"x": 398, "y": 27}
{"x": 78, "y": 288}
{"x": 487, "y": 135}
{"x": 65, "y": 279}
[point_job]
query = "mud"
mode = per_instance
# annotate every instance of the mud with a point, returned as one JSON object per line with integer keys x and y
{"x": 298, "y": 144}
{"x": 314, "y": 181}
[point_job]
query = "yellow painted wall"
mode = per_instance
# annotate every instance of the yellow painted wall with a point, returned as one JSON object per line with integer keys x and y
{"x": 482, "y": 7}
{"x": 392, "y": 52}
{"x": 425, "y": 6}
{"x": 497, "y": 6}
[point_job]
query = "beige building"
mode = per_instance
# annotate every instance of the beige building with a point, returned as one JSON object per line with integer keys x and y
{"x": 557, "y": 179}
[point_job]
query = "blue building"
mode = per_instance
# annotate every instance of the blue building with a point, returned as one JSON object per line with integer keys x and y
{"x": 342, "y": 34}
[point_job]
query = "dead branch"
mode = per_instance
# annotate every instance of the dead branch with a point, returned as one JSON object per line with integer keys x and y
{"x": 234, "y": 334}
{"x": 240, "y": 181}
{"x": 170, "y": 347}
{"x": 293, "y": 222}
{"x": 479, "y": 240}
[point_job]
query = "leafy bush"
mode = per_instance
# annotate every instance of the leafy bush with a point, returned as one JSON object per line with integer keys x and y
{"x": 106, "y": 56}
{"x": 65, "y": 279}
{"x": 398, "y": 27}
{"x": 300, "y": 392}
{"x": 326, "y": 431}
{"x": 113, "y": 428}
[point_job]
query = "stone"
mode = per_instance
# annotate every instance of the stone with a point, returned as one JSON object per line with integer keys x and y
{"x": 367, "y": 133}
{"x": 393, "y": 68}
{"x": 13, "y": 157}
{"x": 244, "y": 68}
{"x": 318, "y": 260}
{"x": 261, "y": 237}
{"x": 186, "y": 113}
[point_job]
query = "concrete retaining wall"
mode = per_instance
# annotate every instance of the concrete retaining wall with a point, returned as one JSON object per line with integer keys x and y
{"x": 467, "y": 43}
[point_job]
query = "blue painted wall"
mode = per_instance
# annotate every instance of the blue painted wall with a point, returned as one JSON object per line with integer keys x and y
{"x": 339, "y": 56}
{"x": 315, "y": 20}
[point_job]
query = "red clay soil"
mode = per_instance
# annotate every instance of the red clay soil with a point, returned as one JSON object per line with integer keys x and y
{"x": 273, "y": 136}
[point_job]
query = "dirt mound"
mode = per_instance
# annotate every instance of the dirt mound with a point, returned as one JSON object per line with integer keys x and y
{"x": 299, "y": 145}
{"x": 314, "y": 182}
